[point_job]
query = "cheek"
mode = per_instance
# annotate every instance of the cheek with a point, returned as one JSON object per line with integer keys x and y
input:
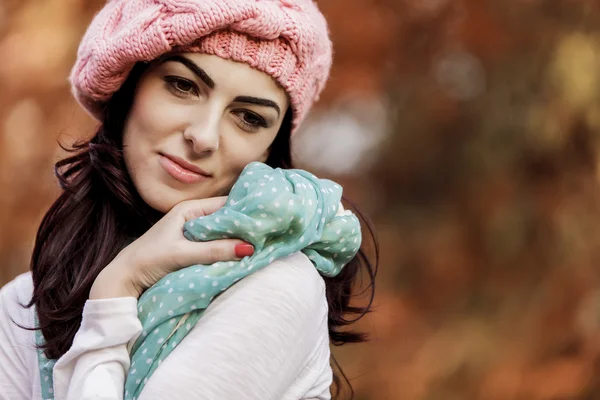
{"x": 136, "y": 142}
{"x": 136, "y": 159}
{"x": 143, "y": 132}
{"x": 150, "y": 122}
{"x": 237, "y": 152}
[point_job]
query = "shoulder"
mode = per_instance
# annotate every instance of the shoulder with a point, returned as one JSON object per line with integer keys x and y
{"x": 287, "y": 295}
{"x": 16, "y": 293}
{"x": 17, "y": 345}
{"x": 13, "y": 296}
{"x": 290, "y": 284}
{"x": 295, "y": 273}
{"x": 20, "y": 282}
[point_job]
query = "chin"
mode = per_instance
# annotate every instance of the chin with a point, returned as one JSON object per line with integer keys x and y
{"x": 162, "y": 199}
{"x": 160, "y": 205}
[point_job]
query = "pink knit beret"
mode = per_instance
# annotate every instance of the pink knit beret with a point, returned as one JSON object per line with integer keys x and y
{"x": 287, "y": 39}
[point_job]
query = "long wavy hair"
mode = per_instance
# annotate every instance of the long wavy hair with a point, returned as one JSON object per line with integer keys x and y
{"x": 99, "y": 212}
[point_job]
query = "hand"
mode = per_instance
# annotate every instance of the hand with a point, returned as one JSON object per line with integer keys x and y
{"x": 164, "y": 249}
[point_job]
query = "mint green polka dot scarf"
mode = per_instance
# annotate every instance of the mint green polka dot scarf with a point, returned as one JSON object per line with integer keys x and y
{"x": 278, "y": 211}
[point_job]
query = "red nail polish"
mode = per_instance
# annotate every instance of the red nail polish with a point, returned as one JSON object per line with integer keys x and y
{"x": 243, "y": 250}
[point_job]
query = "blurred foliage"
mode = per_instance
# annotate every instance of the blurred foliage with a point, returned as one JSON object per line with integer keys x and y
{"x": 485, "y": 192}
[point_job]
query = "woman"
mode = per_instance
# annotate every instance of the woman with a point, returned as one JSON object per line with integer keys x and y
{"x": 189, "y": 95}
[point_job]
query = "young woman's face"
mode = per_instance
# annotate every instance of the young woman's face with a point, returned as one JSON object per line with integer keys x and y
{"x": 196, "y": 121}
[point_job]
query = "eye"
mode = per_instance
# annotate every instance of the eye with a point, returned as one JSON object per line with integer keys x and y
{"x": 181, "y": 87}
{"x": 250, "y": 121}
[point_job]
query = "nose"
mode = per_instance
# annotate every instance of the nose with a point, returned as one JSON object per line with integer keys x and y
{"x": 203, "y": 133}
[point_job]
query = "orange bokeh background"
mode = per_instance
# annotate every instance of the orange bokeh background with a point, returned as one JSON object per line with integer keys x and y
{"x": 468, "y": 130}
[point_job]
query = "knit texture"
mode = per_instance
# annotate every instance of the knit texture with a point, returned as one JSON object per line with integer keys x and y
{"x": 287, "y": 39}
{"x": 279, "y": 212}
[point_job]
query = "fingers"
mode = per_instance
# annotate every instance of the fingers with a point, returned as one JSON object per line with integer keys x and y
{"x": 192, "y": 209}
{"x": 215, "y": 251}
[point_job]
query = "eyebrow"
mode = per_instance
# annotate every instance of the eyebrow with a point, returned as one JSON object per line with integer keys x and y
{"x": 259, "y": 102}
{"x": 200, "y": 73}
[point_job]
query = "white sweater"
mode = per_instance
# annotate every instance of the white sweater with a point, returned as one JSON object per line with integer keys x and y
{"x": 264, "y": 338}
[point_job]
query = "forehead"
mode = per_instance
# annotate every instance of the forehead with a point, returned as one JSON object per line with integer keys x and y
{"x": 232, "y": 77}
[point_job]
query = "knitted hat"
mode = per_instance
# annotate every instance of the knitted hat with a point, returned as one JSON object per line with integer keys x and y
{"x": 287, "y": 39}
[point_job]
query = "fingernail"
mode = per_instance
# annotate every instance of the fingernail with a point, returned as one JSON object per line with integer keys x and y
{"x": 243, "y": 250}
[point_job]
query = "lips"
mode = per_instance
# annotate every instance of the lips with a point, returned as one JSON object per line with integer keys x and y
{"x": 181, "y": 170}
{"x": 186, "y": 165}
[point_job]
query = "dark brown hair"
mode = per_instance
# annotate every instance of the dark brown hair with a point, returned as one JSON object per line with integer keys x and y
{"x": 99, "y": 212}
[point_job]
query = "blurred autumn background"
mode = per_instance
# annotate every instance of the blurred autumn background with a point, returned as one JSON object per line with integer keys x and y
{"x": 468, "y": 130}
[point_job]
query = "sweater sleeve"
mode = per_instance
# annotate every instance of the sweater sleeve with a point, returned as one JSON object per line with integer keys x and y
{"x": 14, "y": 379}
{"x": 97, "y": 362}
